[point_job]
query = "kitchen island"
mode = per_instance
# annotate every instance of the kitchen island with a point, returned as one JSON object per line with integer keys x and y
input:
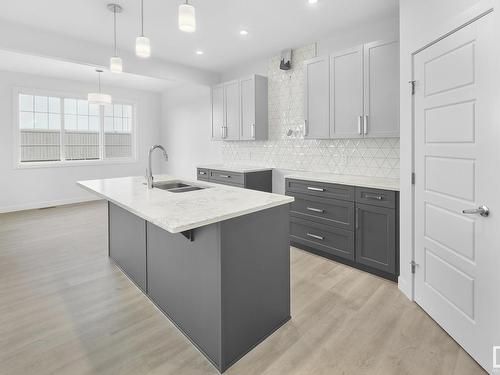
{"x": 215, "y": 259}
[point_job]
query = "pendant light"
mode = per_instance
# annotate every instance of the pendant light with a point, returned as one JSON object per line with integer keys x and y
{"x": 187, "y": 18}
{"x": 115, "y": 62}
{"x": 98, "y": 97}
{"x": 142, "y": 44}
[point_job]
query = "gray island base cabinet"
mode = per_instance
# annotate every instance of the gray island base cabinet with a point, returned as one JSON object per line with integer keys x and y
{"x": 226, "y": 289}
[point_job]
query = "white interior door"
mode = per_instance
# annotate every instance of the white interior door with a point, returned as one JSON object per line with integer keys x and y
{"x": 457, "y": 143}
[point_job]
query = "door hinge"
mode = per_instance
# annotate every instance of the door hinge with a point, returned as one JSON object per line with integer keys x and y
{"x": 413, "y": 178}
{"x": 413, "y": 266}
{"x": 413, "y": 84}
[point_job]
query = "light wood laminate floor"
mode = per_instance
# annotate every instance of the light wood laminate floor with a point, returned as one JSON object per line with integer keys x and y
{"x": 66, "y": 309}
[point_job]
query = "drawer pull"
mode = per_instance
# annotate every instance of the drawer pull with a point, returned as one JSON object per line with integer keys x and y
{"x": 377, "y": 197}
{"x": 224, "y": 176}
{"x": 315, "y": 236}
{"x": 315, "y": 209}
{"x": 315, "y": 188}
{"x": 202, "y": 172}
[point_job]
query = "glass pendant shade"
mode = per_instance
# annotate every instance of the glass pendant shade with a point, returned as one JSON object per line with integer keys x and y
{"x": 99, "y": 98}
{"x": 115, "y": 64}
{"x": 142, "y": 46}
{"x": 187, "y": 18}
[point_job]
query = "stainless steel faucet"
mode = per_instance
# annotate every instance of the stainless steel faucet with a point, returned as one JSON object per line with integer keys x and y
{"x": 149, "y": 171}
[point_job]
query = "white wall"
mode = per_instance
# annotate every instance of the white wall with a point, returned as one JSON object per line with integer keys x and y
{"x": 421, "y": 22}
{"x": 186, "y": 130}
{"x": 42, "y": 187}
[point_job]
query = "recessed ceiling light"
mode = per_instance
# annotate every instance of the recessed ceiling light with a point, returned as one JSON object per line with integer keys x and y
{"x": 243, "y": 32}
{"x": 199, "y": 52}
{"x": 312, "y": 1}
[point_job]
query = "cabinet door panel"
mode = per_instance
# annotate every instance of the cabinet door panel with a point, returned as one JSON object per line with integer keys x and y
{"x": 317, "y": 92}
{"x": 376, "y": 237}
{"x": 381, "y": 100}
{"x": 247, "y": 108}
{"x": 217, "y": 112}
{"x": 346, "y": 93}
{"x": 232, "y": 110}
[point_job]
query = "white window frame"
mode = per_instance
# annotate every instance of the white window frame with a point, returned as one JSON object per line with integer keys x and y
{"x": 16, "y": 149}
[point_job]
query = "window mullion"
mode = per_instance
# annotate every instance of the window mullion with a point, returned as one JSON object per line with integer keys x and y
{"x": 62, "y": 130}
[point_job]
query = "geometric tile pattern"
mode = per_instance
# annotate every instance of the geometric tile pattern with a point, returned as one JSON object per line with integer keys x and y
{"x": 377, "y": 157}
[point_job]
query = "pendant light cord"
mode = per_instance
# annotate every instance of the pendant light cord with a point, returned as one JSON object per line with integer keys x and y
{"x": 142, "y": 17}
{"x": 114, "y": 29}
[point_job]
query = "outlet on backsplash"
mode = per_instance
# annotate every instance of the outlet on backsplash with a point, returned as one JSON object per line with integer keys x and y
{"x": 377, "y": 157}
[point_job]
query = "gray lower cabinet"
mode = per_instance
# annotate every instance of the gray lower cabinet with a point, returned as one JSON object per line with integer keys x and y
{"x": 259, "y": 180}
{"x": 354, "y": 225}
{"x": 127, "y": 243}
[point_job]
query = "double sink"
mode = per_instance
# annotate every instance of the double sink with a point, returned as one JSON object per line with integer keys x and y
{"x": 176, "y": 186}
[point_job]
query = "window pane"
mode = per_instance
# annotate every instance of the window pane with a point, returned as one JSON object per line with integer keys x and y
{"x": 83, "y": 123}
{"x": 54, "y": 121}
{"x": 70, "y": 122}
{"x": 94, "y": 109}
{"x": 41, "y": 104}
{"x": 54, "y": 105}
{"x": 94, "y": 123}
{"x": 127, "y": 111}
{"x": 108, "y": 124}
{"x": 118, "y": 110}
{"x": 83, "y": 107}
{"x": 81, "y": 145}
{"x": 26, "y": 120}
{"x": 70, "y": 106}
{"x": 118, "y": 124}
{"x": 41, "y": 120}
{"x": 126, "y": 125}
{"x": 25, "y": 102}
{"x": 108, "y": 110}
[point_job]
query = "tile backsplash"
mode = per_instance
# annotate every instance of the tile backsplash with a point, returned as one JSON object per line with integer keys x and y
{"x": 377, "y": 157}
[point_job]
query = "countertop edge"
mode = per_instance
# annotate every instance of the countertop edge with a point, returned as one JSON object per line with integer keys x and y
{"x": 286, "y": 200}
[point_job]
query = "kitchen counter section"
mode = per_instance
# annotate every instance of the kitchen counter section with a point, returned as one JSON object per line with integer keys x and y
{"x": 361, "y": 181}
{"x": 235, "y": 168}
{"x": 178, "y": 212}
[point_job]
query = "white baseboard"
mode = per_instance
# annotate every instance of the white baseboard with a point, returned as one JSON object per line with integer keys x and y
{"x": 405, "y": 287}
{"x": 35, "y": 205}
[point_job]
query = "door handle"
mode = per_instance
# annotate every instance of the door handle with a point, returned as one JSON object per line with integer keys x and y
{"x": 360, "y": 120}
{"x": 365, "y": 125}
{"x": 315, "y": 188}
{"x": 315, "y": 209}
{"x": 481, "y": 210}
{"x": 315, "y": 236}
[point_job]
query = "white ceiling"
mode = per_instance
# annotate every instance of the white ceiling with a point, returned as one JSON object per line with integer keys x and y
{"x": 21, "y": 63}
{"x": 272, "y": 24}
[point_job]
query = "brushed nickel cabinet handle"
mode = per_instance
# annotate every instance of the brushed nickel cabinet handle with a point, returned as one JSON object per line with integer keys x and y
{"x": 315, "y": 236}
{"x": 202, "y": 172}
{"x": 377, "y": 197}
{"x": 365, "y": 125}
{"x": 360, "y": 120}
{"x": 224, "y": 176}
{"x": 315, "y": 209}
{"x": 357, "y": 218}
{"x": 315, "y": 188}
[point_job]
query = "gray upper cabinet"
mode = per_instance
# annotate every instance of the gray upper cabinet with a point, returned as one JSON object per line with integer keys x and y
{"x": 317, "y": 92}
{"x": 217, "y": 112}
{"x": 354, "y": 93}
{"x": 381, "y": 99}
{"x": 346, "y": 93}
{"x": 239, "y": 109}
{"x": 232, "y": 110}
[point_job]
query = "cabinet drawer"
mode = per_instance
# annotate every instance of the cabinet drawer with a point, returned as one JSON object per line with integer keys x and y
{"x": 376, "y": 197}
{"x": 202, "y": 174}
{"x": 320, "y": 189}
{"x": 225, "y": 176}
{"x": 335, "y": 241}
{"x": 228, "y": 183}
{"x": 332, "y": 212}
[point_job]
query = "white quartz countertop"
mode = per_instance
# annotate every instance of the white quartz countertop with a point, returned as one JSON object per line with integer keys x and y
{"x": 362, "y": 181}
{"x": 235, "y": 168}
{"x": 178, "y": 212}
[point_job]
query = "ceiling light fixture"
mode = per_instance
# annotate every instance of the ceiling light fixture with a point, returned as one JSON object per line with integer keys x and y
{"x": 199, "y": 52}
{"x": 142, "y": 44}
{"x": 187, "y": 18}
{"x": 98, "y": 97}
{"x": 243, "y": 32}
{"x": 312, "y": 1}
{"x": 115, "y": 62}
